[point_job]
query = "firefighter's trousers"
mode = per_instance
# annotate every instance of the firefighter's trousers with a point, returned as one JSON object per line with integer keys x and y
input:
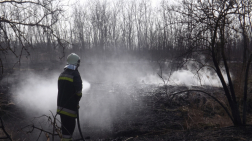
{"x": 67, "y": 127}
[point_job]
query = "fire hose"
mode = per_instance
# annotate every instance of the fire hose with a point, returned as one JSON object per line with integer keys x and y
{"x": 78, "y": 122}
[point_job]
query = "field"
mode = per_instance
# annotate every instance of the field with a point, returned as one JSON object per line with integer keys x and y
{"x": 117, "y": 105}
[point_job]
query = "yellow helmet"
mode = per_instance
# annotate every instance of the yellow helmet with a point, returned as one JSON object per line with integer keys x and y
{"x": 73, "y": 59}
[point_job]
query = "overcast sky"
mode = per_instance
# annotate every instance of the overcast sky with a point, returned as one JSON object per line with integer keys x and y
{"x": 70, "y": 3}
{"x": 154, "y": 3}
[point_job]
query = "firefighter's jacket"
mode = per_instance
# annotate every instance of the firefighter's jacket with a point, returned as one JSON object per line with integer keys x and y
{"x": 69, "y": 92}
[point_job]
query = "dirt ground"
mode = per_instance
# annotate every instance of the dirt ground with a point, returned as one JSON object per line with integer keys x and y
{"x": 184, "y": 117}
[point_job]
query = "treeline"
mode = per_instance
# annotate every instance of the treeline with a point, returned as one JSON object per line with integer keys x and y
{"x": 106, "y": 30}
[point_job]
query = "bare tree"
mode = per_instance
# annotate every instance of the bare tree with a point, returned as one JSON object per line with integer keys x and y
{"x": 211, "y": 24}
{"x": 21, "y": 22}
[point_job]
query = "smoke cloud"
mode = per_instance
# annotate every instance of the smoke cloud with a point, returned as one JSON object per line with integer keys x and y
{"x": 37, "y": 92}
{"x": 107, "y": 92}
{"x": 109, "y": 89}
{"x": 189, "y": 75}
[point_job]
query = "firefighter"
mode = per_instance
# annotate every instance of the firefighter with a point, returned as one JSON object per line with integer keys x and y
{"x": 69, "y": 95}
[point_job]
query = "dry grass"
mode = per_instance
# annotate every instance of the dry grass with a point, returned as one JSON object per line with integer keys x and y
{"x": 210, "y": 114}
{"x": 205, "y": 115}
{"x": 197, "y": 119}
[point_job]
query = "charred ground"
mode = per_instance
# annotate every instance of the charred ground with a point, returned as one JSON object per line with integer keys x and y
{"x": 153, "y": 115}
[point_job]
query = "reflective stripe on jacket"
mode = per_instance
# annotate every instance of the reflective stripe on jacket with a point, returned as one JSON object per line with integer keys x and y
{"x": 66, "y": 111}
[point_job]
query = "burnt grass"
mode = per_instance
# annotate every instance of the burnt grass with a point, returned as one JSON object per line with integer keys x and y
{"x": 156, "y": 116}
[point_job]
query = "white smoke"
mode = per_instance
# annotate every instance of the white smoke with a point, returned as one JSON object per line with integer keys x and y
{"x": 189, "y": 75}
{"x": 37, "y": 93}
{"x": 109, "y": 97}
